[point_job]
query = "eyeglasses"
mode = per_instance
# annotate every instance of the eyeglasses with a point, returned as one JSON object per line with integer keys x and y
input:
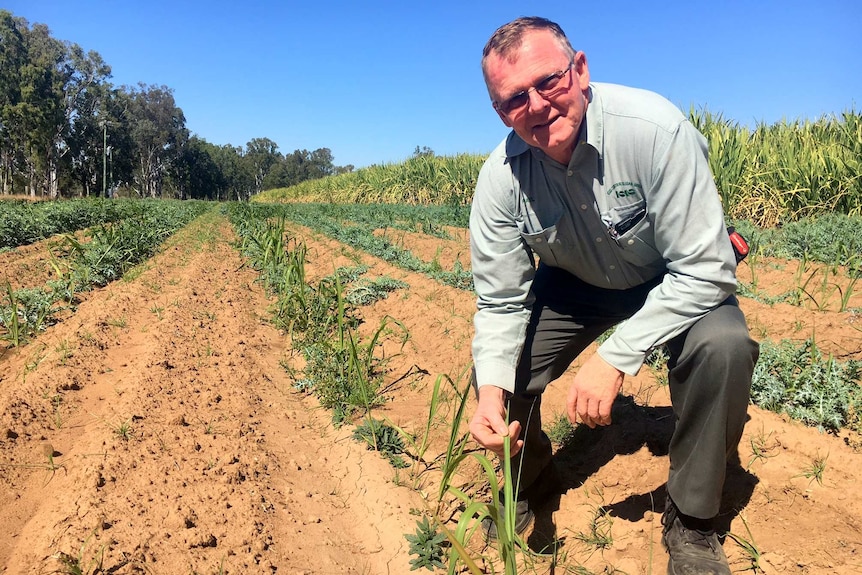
{"x": 545, "y": 88}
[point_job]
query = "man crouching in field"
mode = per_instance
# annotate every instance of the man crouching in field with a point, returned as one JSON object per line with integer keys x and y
{"x": 610, "y": 187}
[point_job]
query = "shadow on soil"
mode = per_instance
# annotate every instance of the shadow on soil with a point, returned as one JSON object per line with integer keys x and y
{"x": 634, "y": 427}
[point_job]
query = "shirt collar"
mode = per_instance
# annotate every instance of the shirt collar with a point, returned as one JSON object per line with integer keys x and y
{"x": 595, "y": 125}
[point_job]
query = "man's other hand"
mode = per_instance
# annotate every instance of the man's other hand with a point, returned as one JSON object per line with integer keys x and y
{"x": 593, "y": 392}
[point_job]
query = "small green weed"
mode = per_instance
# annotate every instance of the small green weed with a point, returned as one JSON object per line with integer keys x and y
{"x": 81, "y": 564}
{"x": 366, "y": 292}
{"x": 124, "y": 430}
{"x": 814, "y": 472}
{"x": 561, "y": 431}
{"x": 427, "y": 546}
{"x": 799, "y": 381}
{"x": 382, "y": 437}
{"x": 748, "y": 545}
{"x": 25, "y": 312}
{"x": 599, "y": 534}
{"x": 117, "y": 322}
{"x": 656, "y": 362}
{"x": 762, "y": 447}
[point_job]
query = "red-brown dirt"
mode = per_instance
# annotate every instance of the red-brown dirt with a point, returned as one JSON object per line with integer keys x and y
{"x": 156, "y": 430}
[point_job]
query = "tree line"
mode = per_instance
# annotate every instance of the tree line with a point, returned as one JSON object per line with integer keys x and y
{"x": 67, "y": 131}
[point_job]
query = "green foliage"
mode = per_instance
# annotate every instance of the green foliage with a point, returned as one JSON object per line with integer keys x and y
{"x": 116, "y": 248}
{"x": 749, "y": 547}
{"x": 366, "y": 292}
{"x": 87, "y": 561}
{"x": 829, "y": 238}
{"x": 26, "y": 222}
{"x": 26, "y": 312}
{"x": 599, "y": 533}
{"x": 331, "y": 373}
{"x": 814, "y": 472}
{"x": 779, "y": 173}
{"x": 657, "y": 358}
{"x": 561, "y": 431}
{"x": 799, "y": 381}
{"x": 112, "y": 250}
{"x": 424, "y": 179}
{"x": 427, "y": 546}
{"x": 382, "y": 437}
{"x": 339, "y": 369}
{"x": 356, "y": 225}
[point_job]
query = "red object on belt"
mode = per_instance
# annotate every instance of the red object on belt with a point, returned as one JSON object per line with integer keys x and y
{"x": 740, "y": 246}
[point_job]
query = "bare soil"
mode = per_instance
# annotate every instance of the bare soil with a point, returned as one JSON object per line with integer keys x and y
{"x": 157, "y": 430}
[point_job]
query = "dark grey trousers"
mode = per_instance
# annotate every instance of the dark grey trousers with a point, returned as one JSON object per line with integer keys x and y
{"x": 709, "y": 374}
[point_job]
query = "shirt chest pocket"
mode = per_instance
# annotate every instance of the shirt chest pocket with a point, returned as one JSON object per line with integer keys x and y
{"x": 632, "y": 231}
{"x": 545, "y": 236}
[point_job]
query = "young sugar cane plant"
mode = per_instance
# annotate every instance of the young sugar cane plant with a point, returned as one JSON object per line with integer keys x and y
{"x": 24, "y": 313}
{"x": 9, "y": 317}
{"x": 501, "y": 511}
{"x": 339, "y": 369}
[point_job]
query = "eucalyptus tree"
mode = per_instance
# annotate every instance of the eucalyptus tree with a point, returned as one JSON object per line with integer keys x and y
{"x": 261, "y": 155}
{"x": 46, "y": 86}
{"x": 303, "y": 165}
{"x": 36, "y": 118}
{"x": 13, "y": 55}
{"x": 158, "y": 130}
{"x": 237, "y": 171}
{"x": 87, "y": 95}
{"x": 195, "y": 173}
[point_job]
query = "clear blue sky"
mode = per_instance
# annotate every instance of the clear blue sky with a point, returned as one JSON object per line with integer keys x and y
{"x": 373, "y": 80}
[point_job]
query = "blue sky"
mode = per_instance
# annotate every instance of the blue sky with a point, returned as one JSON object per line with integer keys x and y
{"x": 373, "y": 80}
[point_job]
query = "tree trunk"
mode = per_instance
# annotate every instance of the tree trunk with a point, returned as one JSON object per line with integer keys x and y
{"x": 53, "y": 182}
{"x": 5, "y": 174}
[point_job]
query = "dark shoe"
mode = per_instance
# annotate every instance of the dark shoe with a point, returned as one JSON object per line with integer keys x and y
{"x": 523, "y": 518}
{"x": 547, "y": 485}
{"x": 693, "y": 551}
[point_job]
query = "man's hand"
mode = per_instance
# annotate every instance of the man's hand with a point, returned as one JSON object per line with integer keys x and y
{"x": 488, "y": 426}
{"x": 593, "y": 392}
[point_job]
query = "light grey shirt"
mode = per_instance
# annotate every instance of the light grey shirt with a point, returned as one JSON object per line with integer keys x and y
{"x": 641, "y": 164}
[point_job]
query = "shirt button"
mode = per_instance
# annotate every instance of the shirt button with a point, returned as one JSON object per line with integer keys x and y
{"x": 613, "y": 267}
{"x": 583, "y": 206}
{"x": 538, "y": 240}
{"x": 630, "y": 242}
{"x": 598, "y": 240}
{"x": 570, "y": 173}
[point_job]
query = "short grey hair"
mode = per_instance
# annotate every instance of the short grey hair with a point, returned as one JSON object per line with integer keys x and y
{"x": 508, "y": 38}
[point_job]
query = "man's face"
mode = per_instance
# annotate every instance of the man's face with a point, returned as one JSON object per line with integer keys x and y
{"x": 551, "y": 121}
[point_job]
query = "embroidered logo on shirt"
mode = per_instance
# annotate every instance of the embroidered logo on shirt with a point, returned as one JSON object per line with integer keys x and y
{"x": 626, "y": 189}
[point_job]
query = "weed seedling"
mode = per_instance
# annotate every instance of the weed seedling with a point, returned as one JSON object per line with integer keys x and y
{"x": 762, "y": 447}
{"x": 749, "y": 547}
{"x": 599, "y": 534}
{"x": 814, "y": 472}
{"x": 80, "y": 565}
{"x": 56, "y": 402}
{"x": 64, "y": 351}
{"x": 383, "y": 438}
{"x": 561, "y": 430}
{"x": 124, "y": 430}
{"x": 50, "y": 464}
{"x": 427, "y": 546}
